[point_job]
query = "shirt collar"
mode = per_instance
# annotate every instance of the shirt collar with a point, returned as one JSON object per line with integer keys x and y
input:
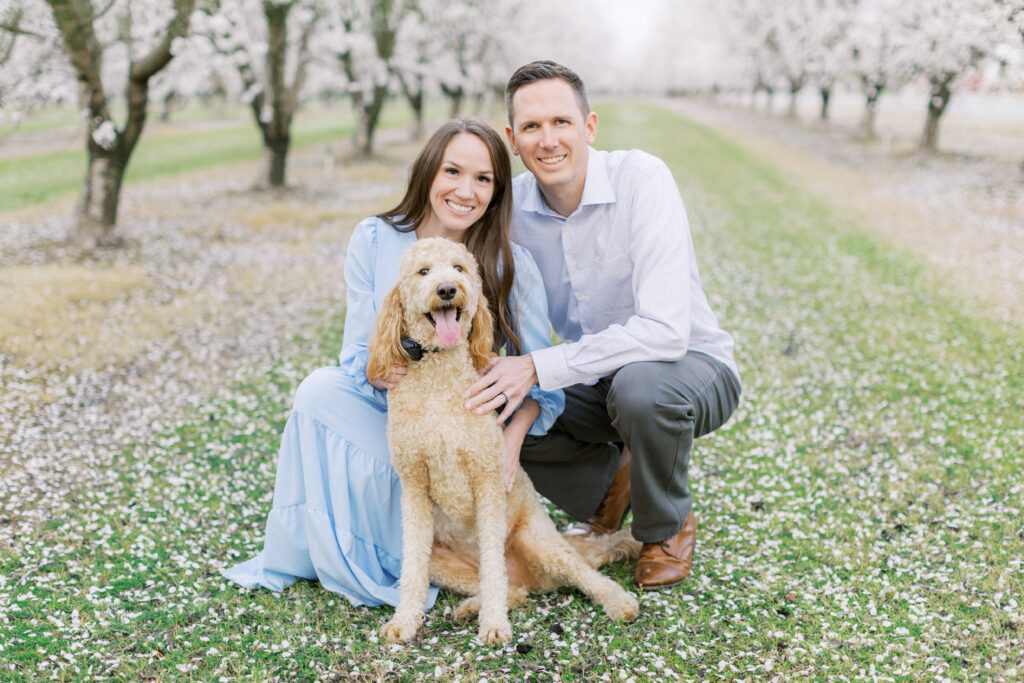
{"x": 597, "y": 188}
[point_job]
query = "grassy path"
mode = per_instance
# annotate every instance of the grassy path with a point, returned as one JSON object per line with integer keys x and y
{"x": 171, "y": 149}
{"x": 859, "y": 517}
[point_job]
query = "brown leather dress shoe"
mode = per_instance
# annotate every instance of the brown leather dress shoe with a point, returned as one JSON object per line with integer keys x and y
{"x": 667, "y": 563}
{"x": 611, "y": 513}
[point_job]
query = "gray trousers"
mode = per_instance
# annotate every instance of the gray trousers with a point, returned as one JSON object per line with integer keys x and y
{"x": 656, "y": 409}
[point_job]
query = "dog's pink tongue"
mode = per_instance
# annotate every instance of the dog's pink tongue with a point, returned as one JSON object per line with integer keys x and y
{"x": 447, "y": 326}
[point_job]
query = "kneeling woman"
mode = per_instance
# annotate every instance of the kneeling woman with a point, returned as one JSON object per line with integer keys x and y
{"x": 336, "y": 515}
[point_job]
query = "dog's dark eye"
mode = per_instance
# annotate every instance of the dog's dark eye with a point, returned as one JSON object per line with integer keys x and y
{"x": 424, "y": 271}
{"x": 459, "y": 268}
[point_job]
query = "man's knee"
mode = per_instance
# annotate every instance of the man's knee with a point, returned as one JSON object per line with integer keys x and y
{"x": 644, "y": 391}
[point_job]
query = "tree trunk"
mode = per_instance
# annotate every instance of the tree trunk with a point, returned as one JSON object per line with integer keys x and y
{"x": 108, "y": 153}
{"x": 359, "y": 132}
{"x": 414, "y": 95}
{"x": 936, "y": 106}
{"x": 826, "y": 98}
{"x": 96, "y": 213}
{"x": 167, "y": 106}
{"x": 770, "y": 97}
{"x": 794, "y": 89}
{"x": 416, "y": 103}
{"x": 867, "y": 125}
{"x": 279, "y": 98}
{"x": 369, "y": 117}
{"x": 274, "y": 163}
{"x": 455, "y": 95}
{"x": 872, "y": 89}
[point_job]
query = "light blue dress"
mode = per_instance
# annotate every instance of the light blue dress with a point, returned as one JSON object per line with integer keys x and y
{"x": 336, "y": 515}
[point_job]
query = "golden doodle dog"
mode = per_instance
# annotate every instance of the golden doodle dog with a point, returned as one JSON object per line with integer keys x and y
{"x": 457, "y": 521}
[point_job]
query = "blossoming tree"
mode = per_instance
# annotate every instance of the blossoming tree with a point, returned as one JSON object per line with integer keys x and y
{"x": 266, "y": 43}
{"x": 949, "y": 40}
{"x": 119, "y": 43}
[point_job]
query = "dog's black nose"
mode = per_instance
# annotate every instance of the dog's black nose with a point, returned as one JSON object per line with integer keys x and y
{"x": 446, "y": 291}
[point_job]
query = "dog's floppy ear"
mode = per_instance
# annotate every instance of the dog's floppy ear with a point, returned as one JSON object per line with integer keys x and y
{"x": 481, "y": 335}
{"x": 386, "y": 343}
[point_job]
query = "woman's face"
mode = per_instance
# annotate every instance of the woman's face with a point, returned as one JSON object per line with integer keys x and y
{"x": 462, "y": 189}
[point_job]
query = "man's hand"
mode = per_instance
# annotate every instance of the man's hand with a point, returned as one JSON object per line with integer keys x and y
{"x": 398, "y": 371}
{"x": 512, "y": 376}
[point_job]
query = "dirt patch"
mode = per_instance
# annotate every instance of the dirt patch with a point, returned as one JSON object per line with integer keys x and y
{"x": 962, "y": 213}
{"x": 101, "y": 351}
{"x": 50, "y": 308}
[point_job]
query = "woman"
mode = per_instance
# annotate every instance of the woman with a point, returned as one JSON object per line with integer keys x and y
{"x": 336, "y": 515}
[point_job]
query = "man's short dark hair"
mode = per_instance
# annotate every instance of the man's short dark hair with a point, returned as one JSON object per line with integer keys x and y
{"x": 543, "y": 70}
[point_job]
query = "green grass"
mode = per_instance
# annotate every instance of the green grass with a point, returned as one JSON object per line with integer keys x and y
{"x": 859, "y": 517}
{"x": 162, "y": 151}
{"x": 48, "y": 118}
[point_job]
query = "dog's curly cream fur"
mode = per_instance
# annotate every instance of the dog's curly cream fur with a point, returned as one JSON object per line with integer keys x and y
{"x": 459, "y": 528}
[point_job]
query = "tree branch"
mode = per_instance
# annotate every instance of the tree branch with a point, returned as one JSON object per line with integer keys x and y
{"x": 76, "y": 30}
{"x": 304, "y": 58}
{"x": 160, "y": 55}
{"x": 143, "y": 70}
{"x": 12, "y": 24}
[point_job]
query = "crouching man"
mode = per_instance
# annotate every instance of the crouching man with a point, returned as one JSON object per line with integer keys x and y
{"x": 646, "y": 369}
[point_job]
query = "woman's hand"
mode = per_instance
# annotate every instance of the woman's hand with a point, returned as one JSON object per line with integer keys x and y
{"x": 398, "y": 371}
{"x": 515, "y": 432}
{"x": 513, "y": 444}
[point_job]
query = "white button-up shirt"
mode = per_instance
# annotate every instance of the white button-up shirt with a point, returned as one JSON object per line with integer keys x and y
{"x": 620, "y": 272}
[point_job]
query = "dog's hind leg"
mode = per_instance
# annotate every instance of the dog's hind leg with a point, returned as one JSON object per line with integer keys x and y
{"x": 456, "y": 572}
{"x": 417, "y": 537}
{"x": 517, "y": 597}
{"x": 601, "y": 550}
{"x": 551, "y": 555}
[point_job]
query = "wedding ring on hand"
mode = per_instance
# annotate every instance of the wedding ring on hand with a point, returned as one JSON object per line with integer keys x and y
{"x": 504, "y": 396}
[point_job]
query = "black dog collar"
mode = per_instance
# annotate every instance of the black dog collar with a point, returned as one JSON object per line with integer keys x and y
{"x": 414, "y": 349}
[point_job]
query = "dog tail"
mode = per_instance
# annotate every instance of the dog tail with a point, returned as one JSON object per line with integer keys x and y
{"x": 602, "y": 550}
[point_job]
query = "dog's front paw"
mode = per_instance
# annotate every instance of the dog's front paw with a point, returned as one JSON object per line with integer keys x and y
{"x": 496, "y": 632}
{"x": 467, "y": 609}
{"x": 400, "y": 629}
{"x": 622, "y": 607}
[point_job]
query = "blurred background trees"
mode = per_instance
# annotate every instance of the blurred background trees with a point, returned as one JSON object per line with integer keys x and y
{"x": 113, "y": 48}
{"x": 111, "y": 58}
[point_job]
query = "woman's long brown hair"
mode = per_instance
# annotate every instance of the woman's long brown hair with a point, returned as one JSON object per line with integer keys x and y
{"x": 488, "y": 239}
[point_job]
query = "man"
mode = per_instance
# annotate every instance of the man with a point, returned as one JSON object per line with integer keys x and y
{"x": 646, "y": 365}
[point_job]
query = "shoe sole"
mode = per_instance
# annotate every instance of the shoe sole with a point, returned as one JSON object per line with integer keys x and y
{"x": 578, "y": 530}
{"x": 661, "y": 586}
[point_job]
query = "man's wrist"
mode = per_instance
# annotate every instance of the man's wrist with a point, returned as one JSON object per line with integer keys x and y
{"x": 550, "y": 369}
{"x": 533, "y": 371}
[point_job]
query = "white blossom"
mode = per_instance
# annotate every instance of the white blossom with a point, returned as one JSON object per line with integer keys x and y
{"x": 105, "y": 135}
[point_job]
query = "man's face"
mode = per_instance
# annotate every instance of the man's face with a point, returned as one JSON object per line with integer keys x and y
{"x": 551, "y": 135}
